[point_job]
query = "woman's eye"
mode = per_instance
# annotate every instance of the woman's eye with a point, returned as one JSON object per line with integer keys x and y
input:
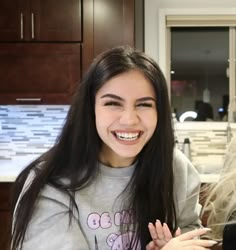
{"x": 145, "y": 104}
{"x": 112, "y": 103}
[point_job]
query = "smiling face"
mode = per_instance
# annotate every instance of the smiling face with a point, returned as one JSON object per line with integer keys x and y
{"x": 126, "y": 117}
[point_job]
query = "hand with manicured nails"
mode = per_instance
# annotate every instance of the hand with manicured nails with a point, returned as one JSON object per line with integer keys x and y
{"x": 160, "y": 235}
{"x": 162, "y": 239}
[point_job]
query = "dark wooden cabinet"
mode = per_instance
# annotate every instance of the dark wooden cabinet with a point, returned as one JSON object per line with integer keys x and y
{"x": 39, "y": 73}
{"x": 56, "y": 20}
{"x": 46, "y": 46}
{"x": 115, "y": 26}
{"x": 5, "y": 215}
{"x": 38, "y": 20}
{"x": 10, "y": 20}
{"x": 40, "y": 51}
{"x": 111, "y": 23}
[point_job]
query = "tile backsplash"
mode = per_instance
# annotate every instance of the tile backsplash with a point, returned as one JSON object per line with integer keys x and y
{"x": 33, "y": 129}
{"x": 208, "y": 141}
{"x": 29, "y": 129}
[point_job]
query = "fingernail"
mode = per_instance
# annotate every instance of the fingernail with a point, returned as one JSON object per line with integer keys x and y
{"x": 207, "y": 228}
{"x": 212, "y": 242}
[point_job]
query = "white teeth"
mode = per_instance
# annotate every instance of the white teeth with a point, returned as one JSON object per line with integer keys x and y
{"x": 127, "y": 136}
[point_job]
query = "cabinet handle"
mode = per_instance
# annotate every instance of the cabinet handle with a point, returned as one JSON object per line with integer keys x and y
{"x": 32, "y": 25}
{"x": 21, "y": 26}
{"x": 28, "y": 99}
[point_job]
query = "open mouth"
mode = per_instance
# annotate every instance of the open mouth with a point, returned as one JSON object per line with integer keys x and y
{"x": 124, "y": 136}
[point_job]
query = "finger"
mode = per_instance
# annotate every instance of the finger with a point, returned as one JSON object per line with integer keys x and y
{"x": 159, "y": 230}
{"x": 194, "y": 233}
{"x": 178, "y": 232}
{"x": 200, "y": 243}
{"x": 150, "y": 246}
{"x": 152, "y": 231}
{"x": 166, "y": 231}
{"x": 196, "y": 248}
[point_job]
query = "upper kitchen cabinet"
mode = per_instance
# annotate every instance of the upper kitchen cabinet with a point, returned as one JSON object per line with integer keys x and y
{"x": 39, "y": 73}
{"x": 40, "y": 21}
{"x": 10, "y": 20}
{"x": 113, "y": 23}
{"x": 47, "y": 46}
{"x": 109, "y": 23}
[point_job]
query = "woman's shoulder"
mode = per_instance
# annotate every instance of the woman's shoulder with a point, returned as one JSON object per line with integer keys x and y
{"x": 55, "y": 194}
{"x": 48, "y": 190}
{"x": 179, "y": 156}
{"x": 184, "y": 170}
{"x": 181, "y": 162}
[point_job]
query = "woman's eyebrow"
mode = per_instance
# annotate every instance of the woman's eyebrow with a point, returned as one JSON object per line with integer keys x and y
{"x": 142, "y": 99}
{"x": 112, "y": 96}
{"x": 147, "y": 98}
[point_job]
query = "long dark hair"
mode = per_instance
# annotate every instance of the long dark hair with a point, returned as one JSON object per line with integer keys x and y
{"x": 75, "y": 153}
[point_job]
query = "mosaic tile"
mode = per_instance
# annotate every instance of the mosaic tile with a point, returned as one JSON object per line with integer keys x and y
{"x": 28, "y": 130}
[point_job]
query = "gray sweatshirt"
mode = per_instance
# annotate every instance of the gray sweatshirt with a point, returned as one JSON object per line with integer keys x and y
{"x": 97, "y": 226}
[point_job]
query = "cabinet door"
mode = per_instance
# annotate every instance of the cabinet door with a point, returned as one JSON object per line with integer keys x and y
{"x": 5, "y": 215}
{"x": 5, "y": 229}
{"x": 113, "y": 24}
{"x": 12, "y": 19}
{"x": 109, "y": 23}
{"x": 39, "y": 73}
{"x": 54, "y": 20}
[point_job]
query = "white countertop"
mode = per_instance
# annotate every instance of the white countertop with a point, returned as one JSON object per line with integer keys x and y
{"x": 209, "y": 178}
{"x": 9, "y": 169}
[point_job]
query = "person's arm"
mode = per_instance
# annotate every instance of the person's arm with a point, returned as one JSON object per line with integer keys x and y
{"x": 186, "y": 241}
{"x": 50, "y": 227}
{"x": 187, "y": 188}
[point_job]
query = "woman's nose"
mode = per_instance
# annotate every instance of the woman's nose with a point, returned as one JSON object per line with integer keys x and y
{"x": 129, "y": 117}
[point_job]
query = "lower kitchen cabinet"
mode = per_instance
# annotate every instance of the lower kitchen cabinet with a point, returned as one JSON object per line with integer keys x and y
{"x": 5, "y": 215}
{"x": 39, "y": 73}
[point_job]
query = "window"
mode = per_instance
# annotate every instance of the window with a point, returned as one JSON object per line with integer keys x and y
{"x": 199, "y": 72}
{"x": 197, "y": 55}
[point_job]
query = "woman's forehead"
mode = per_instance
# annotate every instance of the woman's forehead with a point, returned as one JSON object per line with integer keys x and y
{"x": 129, "y": 83}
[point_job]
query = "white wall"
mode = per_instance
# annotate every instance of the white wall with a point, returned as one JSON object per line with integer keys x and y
{"x": 196, "y": 4}
{"x": 152, "y": 11}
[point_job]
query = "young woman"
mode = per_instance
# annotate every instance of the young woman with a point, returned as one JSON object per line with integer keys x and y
{"x": 221, "y": 202}
{"x": 113, "y": 170}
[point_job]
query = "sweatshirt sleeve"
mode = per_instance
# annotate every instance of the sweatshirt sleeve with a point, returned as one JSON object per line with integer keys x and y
{"x": 50, "y": 227}
{"x": 187, "y": 185}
